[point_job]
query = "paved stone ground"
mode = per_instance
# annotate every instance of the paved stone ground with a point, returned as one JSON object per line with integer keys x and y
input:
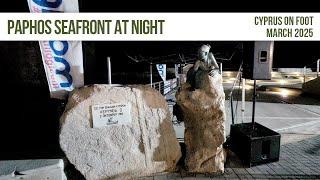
{"x": 298, "y": 160}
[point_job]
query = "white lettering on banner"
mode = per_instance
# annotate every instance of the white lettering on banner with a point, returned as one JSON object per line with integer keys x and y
{"x": 62, "y": 60}
{"x": 111, "y": 114}
{"x": 162, "y": 71}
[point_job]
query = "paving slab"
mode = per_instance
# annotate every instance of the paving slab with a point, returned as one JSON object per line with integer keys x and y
{"x": 35, "y": 169}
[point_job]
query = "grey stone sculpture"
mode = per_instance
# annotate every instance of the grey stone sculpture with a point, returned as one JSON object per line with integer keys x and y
{"x": 205, "y": 64}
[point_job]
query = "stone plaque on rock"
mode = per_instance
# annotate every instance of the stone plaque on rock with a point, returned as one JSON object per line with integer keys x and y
{"x": 111, "y": 114}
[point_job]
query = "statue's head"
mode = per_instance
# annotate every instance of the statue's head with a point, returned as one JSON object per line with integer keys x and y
{"x": 203, "y": 52}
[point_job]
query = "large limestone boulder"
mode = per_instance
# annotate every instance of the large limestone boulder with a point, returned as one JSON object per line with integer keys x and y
{"x": 144, "y": 146}
{"x": 204, "y": 117}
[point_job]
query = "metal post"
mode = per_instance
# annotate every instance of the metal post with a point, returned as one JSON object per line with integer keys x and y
{"x": 318, "y": 66}
{"x": 243, "y": 98}
{"x": 231, "y": 104}
{"x": 304, "y": 74}
{"x": 254, "y": 103}
{"x": 151, "y": 74}
{"x": 109, "y": 70}
{"x": 221, "y": 68}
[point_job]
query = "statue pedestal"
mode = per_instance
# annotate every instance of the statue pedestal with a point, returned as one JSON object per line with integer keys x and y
{"x": 204, "y": 118}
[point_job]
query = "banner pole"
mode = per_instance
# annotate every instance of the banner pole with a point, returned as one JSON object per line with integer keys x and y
{"x": 150, "y": 74}
{"x": 109, "y": 70}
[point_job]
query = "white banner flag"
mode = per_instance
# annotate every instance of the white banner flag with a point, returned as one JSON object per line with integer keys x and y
{"x": 162, "y": 71}
{"x": 62, "y": 60}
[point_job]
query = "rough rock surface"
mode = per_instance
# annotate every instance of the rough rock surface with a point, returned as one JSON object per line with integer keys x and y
{"x": 204, "y": 117}
{"x": 312, "y": 87}
{"x": 147, "y": 145}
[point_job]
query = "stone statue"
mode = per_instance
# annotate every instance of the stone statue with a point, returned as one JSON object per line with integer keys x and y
{"x": 201, "y": 106}
{"x": 205, "y": 65}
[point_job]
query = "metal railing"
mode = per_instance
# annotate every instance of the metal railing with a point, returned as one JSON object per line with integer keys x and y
{"x": 165, "y": 87}
{"x": 236, "y": 80}
{"x": 278, "y": 78}
{"x": 159, "y": 86}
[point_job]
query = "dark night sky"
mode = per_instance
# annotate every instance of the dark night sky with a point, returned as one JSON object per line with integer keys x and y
{"x": 286, "y": 53}
{"x": 296, "y": 54}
